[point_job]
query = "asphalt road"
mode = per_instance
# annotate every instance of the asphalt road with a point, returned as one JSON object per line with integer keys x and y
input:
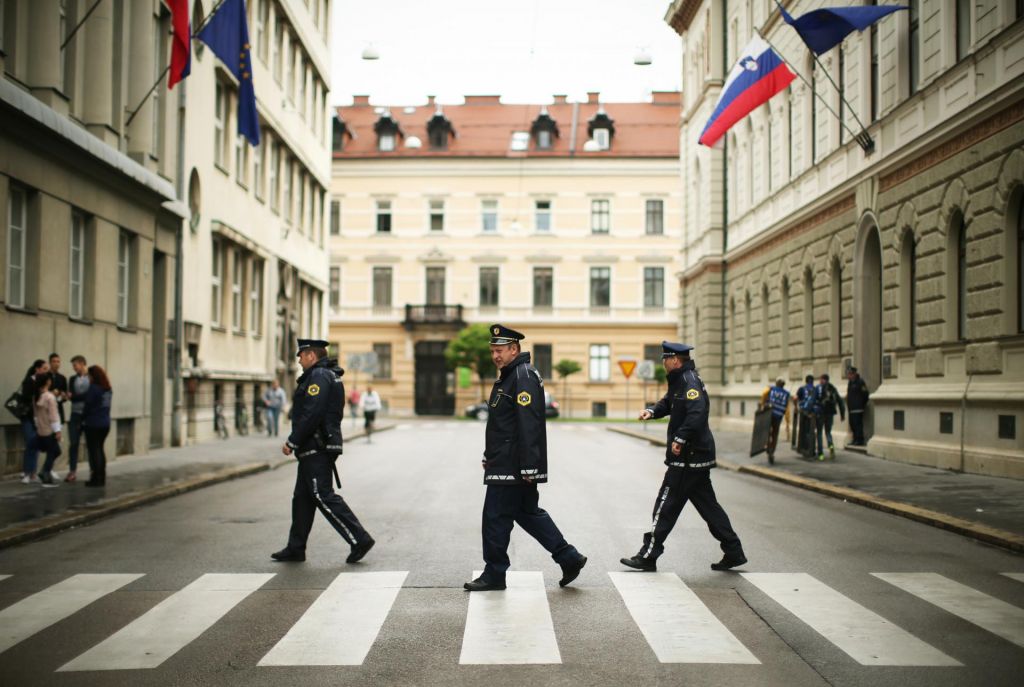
{"x": 183, "y": 592}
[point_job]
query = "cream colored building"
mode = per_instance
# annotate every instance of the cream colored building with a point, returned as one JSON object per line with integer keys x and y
{"x": 803, "y": 254}
{"x": 96, "y": 208}
{"x": 483, "y": 212}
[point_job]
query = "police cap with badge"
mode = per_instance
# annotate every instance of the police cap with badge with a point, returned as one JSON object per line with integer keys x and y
{"x": 307, "y": 344}
{"x": 502, "y": 335}
{"x": 671, "y": 348}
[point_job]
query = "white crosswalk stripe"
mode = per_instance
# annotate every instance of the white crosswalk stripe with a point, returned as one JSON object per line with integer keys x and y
{"x": 34, "y": 613}
{"x": 1015, "y": 576}
{"x": 342, "y": 624}
{"x": 3, "y": 577}
{"x": 170, "y": 625}
{"x": 988, "y": 613}
{"x": 864, "y": 635}
{"x": 510, "y": 627}
{"x": 677, "y": 625}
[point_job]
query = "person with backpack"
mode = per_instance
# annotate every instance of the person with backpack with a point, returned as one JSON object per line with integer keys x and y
{"x": 20, "y": 404}
{"x": 828, "y": 399}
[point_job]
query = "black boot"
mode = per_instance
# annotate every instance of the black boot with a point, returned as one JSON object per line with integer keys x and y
{"x": 360, "y": 550}
{"x": 730, "y": 561}
{"x": 570, "y": 571}
{"x": 639, "y": 563}
{"x": 287, "y": 555}
{"x": 482, "y": 585}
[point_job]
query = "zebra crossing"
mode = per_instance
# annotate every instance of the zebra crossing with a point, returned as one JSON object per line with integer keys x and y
{"x": 511, "y": 627}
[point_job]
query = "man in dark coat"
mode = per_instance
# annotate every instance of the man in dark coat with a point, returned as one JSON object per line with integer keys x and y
{"x": 317, "y": 409}
{"x": 690, "y": 455}
{"x": 857, "y": 402}
{"x": 515, "y": 462}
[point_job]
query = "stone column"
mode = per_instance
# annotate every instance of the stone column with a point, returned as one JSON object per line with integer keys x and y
{"x": 99, "y": 74}
{"x": 140, "y": 79}
{"x": 44, "y": 61}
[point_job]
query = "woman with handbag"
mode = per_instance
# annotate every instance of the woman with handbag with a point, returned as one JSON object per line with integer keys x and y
{"x": 48, "y": 427}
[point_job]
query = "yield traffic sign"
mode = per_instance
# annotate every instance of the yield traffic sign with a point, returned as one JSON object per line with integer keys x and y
{"x": 627, "y": 367}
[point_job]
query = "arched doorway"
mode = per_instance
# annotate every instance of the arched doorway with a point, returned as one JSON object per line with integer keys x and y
{"x": 867, "y": 307}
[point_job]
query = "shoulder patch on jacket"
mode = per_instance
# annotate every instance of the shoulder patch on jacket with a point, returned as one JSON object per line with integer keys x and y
{"x": 693, "y": 394}
{"x": 524, "y": 398}
{"x": 313, "y": 389}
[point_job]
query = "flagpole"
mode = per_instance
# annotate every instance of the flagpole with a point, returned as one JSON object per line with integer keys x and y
{"x": 79, "y": 24}
{"x": 863, "y": 138}
{"x": 857, "y": 137}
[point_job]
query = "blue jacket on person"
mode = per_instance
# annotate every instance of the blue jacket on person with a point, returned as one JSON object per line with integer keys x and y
{"x": 96, "y": 412}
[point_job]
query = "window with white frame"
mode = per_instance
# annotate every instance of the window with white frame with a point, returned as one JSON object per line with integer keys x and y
{"x": 216, "y": 282}
{"x": 654, "y": 287}
{"x": 489, "y": 214}
{"x": 286, "y": 190}
{"x": 520, "y": 140}
{"x": 489, "y": 280}
{"x": 241, "y": 160}
{"x": 383, "y": 216}
{"x": 542, "y": 215}
{"x": 437, "y": 214}
{"x": 335, "y": 217}
{"x": 543, "y": 286}
{"x": 276, "y": 45}
{"x": 383, "y": 351}
{"x": 382, "y": 287}
{"x": 257, "y": 169}
{"x": 600, "y": 216}
{"x": 603, "y": 138}
{"x": 600, "y": 362}
{"x": 76, "y": 276}
{"x": 124, "y": 277}
{"x": 386, "y": 142}
{"x": 256, "y": 297}
{"x": 334, "y": 296}
{"x": 654, "y": 218}
{"x": 237, "y": 279}
{"x": 220, "y": 113}
{"x": 600, "y": 287}
{"x": 272, "y": 174}
{"x": 300, "y": 197}
{"x": 17, "y": 245}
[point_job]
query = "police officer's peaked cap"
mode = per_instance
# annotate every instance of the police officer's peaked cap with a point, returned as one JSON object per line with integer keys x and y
{"x": 306, "y": 344}
{"x": 671, "y": 348}
{"x": 501, "y": 335}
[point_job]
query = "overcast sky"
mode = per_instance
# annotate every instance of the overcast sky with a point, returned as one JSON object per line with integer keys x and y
{"x": 525, "y": 51}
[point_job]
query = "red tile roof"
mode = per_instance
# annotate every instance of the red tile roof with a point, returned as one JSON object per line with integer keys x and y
{"x": 483, "y": 127}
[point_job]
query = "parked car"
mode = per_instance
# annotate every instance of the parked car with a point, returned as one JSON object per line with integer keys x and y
{"x": 480, "y": 411}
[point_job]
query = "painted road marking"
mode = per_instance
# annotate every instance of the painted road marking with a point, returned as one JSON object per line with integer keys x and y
{"x": 866, "y": 637}
{"x": 170, "y": 625}
{"x": 675, "y": 622}
{"x": 39, "y": 611}
{"x": 987, "y": 612}
{"x": 3, "y": 577}
{"x": 1015, "y": 576}
{"x": 342, "y": 624}
{"x": 512, "y": 626}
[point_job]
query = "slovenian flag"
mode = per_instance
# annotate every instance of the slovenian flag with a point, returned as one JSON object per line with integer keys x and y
{"x": 181, "y": 43}
{"x": 758, "y": 75}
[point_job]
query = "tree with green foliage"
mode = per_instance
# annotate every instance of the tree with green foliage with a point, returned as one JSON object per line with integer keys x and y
{"x": 564, "y": 368}
{"x": 471, "y": 348}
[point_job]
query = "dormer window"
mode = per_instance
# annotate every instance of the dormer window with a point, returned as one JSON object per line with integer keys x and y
{"x": 386, "y": 142}
{"x": 520, "y": 140}
{"x": 387, "y": 131}
{"x": 602, "y": 138}
{"x": 439, "y": 131}
{"x": 544, "y": 130}
{"x": 601, "y": 128}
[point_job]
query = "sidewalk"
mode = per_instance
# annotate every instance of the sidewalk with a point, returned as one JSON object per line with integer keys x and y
{"x": 29, "y": 511}
{"x": 990, "y": 509}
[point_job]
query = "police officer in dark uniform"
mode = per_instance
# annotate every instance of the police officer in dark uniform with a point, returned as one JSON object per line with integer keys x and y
{"x": 690, "y": 456}
{"x": 317, "y": 409}
{"x": 515, "y": 462}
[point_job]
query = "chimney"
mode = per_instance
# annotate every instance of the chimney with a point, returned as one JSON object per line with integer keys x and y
{"x": 483, "y": 100}
{"x": 593, "y": 97}
{"x": 360, "y": 101}
{"x": 560, "y": 99}
{"x": 430, "y": 100}
{"x": 666, "y": 97}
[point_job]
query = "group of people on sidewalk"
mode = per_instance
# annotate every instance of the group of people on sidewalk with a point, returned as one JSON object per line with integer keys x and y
{"x": 39, "y": 404}
{"x": 814, "y": 409}
{"x": 275, "y": 398}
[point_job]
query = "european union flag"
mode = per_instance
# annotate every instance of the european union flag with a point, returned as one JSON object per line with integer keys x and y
{"x": 227, "y": 34}
{"x": 824, "y": 28}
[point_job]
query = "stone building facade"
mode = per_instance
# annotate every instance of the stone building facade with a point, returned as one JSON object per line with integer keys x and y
{"x": 804, "y": 254}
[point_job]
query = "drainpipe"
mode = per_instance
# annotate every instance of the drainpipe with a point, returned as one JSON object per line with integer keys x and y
{"x": 963, "y": 421}
{"x": 179, "y": 249}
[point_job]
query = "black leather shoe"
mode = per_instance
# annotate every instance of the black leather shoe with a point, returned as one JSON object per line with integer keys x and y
{"x": 360, "y": 550}
{"x": 287, "y": 555}
{"x": 571, "y": 571}
{"x": 638, "y": 563}
{"x": 729, "y": 562}
{"x": 482, "y": 585}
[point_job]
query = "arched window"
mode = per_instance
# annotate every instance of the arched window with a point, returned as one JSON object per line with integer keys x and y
{"x": 956, "y": 277}
{"x": 808, "y": 313}
{"x": 836, "y": 305}
{"x": 731, "y": 338}
{"x": 747, "y": 358}
{"x": 908, "y": 289}
{"x": 1018, "y": 252}
{"x": 764, "y": 324}
{"x": 784, "y": 320}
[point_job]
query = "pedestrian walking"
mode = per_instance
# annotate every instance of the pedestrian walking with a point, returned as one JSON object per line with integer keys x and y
{"x": 803, "y": 409}
{"x": 48, "y": 427}
{"x": 353, "y": 404}
{"x": 829, "y": 401}
{"x": 77, "y": 386}
{"x": 25, "y": 411}
{"x": 96, "y": 424}
{"x": 689, "y": 455}
{"x": 857, "y": 395}
{"x": 778, "y": 401}
{"x": 370, "y": 403}
{"x": 318, "y": 407}
{"x": 515, "y": 462}
{"x": 59, "y": 385}
{"x": 274, "y": 399}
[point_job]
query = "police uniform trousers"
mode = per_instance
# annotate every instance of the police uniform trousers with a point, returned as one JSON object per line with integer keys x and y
{"x": 678, "y": 487}
{"x": 314, "y": 490}
{"x": 505, "y": 505}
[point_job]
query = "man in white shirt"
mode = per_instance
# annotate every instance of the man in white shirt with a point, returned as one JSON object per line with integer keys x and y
{"x": 370, "y": 403}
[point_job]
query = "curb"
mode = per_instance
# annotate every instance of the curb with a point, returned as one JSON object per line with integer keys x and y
{"x": 85, "y": 515}
{"x": 966, "y": 528}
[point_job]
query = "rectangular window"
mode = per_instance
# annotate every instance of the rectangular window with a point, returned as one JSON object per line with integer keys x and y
{"x": 603, "y": 139}
{"x": 873, "y": 85}
{"x": 600, "y": 287}
{"x": 383, "y": 351}
{"x": 124, "y": 277}
{"x": 17, "y": 246}
{"x": 489, "y": 215}
{"x": 76, "y": 301}
{"x": 276, "y": 46}
{"x": 161, "y": 26}
{"x": 655, "y": 216}
{"x": 599, "y": 409}
{"x": 256, "y": 297}
{"x": 913, "y": 46}
{"x": 272, "y": 174}
{"x": 335, "y": 288}
{"x": 263, "y": 19}
{"x": 437, "y": 215}
{"x": 898, "y": 420}
{"x": 543, "y": 286}
{"x": 435, "y": 285}
{"x": 286, "y": 191}
{"x": 220, "y": 113}
{"x": 543, "y": 139}
{"x": 962, "y": 32}
{"x": 600, "y": 216}
{"x": 382, "y": 287}
{"x": 542, "y": 359}
{"x": 241, "y": 160}
{"x": 652, "y": 352}
{"x": 257, "y": 168}
{"x": 520, "y": 141}
{"x": 488, "y": 287}
{"x": 386, "y": 142}
{"x": 654, "y": 287}
{"x": 542, "y": 215}
{"x": 1007, "y": 426}
{"x": 945, "y": 423}
{"x": 300, "y": 197}
{"x": 335, "y": 218}
{"x": 216, "y": 283}
{"x": 383, "y": 216}
{"x": 237, "y": 277}
{"x": 600, "y": 362}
